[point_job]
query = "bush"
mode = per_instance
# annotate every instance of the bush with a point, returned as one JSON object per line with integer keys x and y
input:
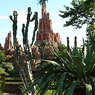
{"x": 2, "y": 71}
{"x": 8, "y": 67}
{"x": 2, "y": 56}
{"x": 2, "y": 88}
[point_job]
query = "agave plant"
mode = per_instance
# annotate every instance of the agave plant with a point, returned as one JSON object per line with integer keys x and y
{"x": 68, "y": 73}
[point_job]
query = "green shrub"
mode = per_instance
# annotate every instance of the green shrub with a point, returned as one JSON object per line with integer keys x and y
{"x": 2, "y": 57}
{"x": 8, "y": 67}
{"x": 2, "y": 71}
{"x": 1, "y": 85}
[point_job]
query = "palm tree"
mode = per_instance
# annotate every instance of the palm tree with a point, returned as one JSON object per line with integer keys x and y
{"x": 42, "y": 1}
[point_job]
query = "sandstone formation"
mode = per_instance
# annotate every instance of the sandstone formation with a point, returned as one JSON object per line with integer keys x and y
{"x": 45, "y": 31}
{"x": 44, "y": 37}
{"x": 8, "y": 46}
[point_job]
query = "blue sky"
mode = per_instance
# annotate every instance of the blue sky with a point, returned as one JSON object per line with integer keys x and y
{"x": 53, "y": 7}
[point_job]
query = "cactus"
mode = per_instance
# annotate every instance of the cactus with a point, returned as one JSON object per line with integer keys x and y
{"x": 35, "y": 17}
{"x": 68, "y": 45}
{"x": 14, "y": 20}
{"x": 25, "y": 76}
{"x": 75, "y": 43}
{"x": 75, "y": 49}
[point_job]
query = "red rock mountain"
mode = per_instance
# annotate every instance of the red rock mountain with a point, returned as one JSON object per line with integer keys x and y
{"x": 45, "y": 31}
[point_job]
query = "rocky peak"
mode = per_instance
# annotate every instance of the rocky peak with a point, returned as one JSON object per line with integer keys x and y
{"x": 44, "y": 37}
{"x": 43, "y": 10}
{"x": 1, "y": 47}
{"x": 8, "y": 42}
{"x": 45, "y": 31}
{"x": 8, "y": 46}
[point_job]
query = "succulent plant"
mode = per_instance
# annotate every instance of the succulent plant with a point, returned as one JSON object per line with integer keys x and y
{"x": 68, "y": 73}
{"x": 24, "y": 57}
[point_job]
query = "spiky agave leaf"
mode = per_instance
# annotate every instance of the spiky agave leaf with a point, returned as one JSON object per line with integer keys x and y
{"x": 70, "y": 90}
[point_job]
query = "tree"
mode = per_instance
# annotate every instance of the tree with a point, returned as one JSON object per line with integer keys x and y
{"x": 42, "y": 1}
{"x": 2, "y": 57}
{"x": 81, "y": 12}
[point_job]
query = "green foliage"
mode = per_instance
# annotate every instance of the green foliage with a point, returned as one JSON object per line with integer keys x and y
{"x": 8, "y": 67}
{"x": 35, "y": 18}
{"x": 68, "y": 44}
{"x": 42, "y": 1}
{"x": 24, "y": 58}
{"x": 1, "y": 85}
{"x": 25, "y": 28}
{"x": 2, "y": 57}
{"x": 49, "y": 92}
{"x": 90, "y": 34}
{"x": 67, "y": 72}
{"x": 2, "y": 70}
{"x": 23, "y": 89}
{"x": 80, "y": 13}
{"x": 14, "y": 20}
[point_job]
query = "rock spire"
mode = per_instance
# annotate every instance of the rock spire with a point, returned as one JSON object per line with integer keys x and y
{"x": 45, "y": 31}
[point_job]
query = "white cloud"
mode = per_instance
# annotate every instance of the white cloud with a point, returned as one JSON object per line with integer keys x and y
{"x": 21, "y": 15}
{"x": 11, "y": 9}
{"x": 54, "y": 14}
{"x": 57, "y": 23}
{"x": 3, "y": 17}
{"x": 56, "y": 20}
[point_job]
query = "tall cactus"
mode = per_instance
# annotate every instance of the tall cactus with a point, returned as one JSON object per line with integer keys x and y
{"x": 75, "y": 50}
{"x": 35, "y": 18}
{"x": 27, "y": 53}
{"x": 75, "y": 42}
{"x": 14, "y": 20}
{"x": 68, "y": 44}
